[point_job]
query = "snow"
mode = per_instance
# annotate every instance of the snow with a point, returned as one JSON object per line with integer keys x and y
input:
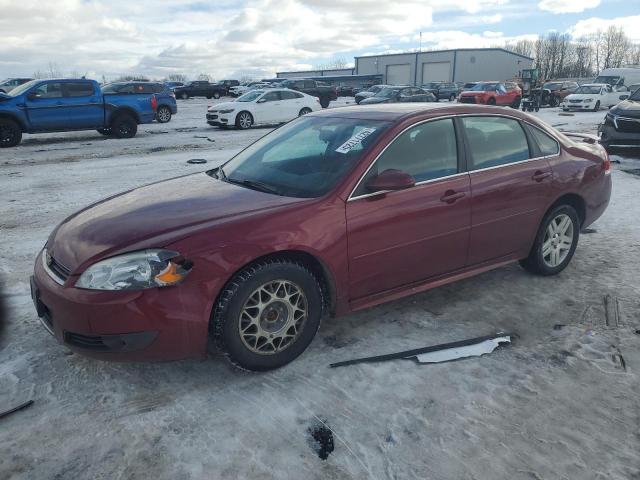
{"x": 556, "y": 404}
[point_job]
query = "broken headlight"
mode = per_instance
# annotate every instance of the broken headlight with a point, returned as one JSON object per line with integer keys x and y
{"x": 136, "y": 271}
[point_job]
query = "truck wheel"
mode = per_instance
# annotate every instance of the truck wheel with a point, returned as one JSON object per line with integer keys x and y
{"x": 216, "y": 95}
{"x": 105, "y": 131}
{"x": 268, "y": 314}
{"x": 10, "y": 133}
{"x": 163, "y": 115}
{"x": 324, "y": 102}
{"x": 244, "y": 120}
{"x": 124, "y": 126}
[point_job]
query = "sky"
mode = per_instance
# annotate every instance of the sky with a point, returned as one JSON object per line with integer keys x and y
{"x": 235, "y": 38}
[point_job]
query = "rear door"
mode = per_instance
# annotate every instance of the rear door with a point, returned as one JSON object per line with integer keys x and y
{"x": 291, "y": 104}
{"x": 510, "y": 184}
{"x": 45, "y": 108}
{"x": 397, "y": 238}
{"x": 84, "y": 105}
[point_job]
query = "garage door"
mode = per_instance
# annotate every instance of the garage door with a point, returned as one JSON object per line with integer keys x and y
{"x": 399, "y": 74}
{"x": 436, "y": 72}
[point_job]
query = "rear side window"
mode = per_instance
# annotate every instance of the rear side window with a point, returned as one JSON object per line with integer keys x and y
{"x": 547, "y": 145}
{"x": 495, "y": 141}
{"x": 78, "y": 89}
{"x": 290, "y": 95}
{"x": 427, "y": 151}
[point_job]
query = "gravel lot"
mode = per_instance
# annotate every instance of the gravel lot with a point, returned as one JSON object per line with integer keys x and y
{"x": 558, "y": 404}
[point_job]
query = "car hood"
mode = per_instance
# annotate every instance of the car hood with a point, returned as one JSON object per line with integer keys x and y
{"x": 581, "y": 96}
{"x": 365, "y": 94}
{"x": 372, "y": 100}
{"x": 154, "y": 216}
{"x": 224, "y": 106}
{"x": 469, "y": 93}
{"x": 627, "y": 108}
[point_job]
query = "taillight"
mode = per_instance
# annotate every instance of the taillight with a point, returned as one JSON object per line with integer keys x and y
{"x": 606, "y": 165}
{"x": 154, "y": 102}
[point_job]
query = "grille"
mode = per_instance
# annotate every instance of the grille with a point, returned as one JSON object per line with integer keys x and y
{"x": 211, "y": 116}
{"x": 467, "y": 100}
{"x": 575, "y": 101}
{"x": 627, "y": 125}
{"x": 59, "y": 269}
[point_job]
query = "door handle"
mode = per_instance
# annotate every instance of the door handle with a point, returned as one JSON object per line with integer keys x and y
{"x": 450, "y": 196}
{"x": 540, "y": 175}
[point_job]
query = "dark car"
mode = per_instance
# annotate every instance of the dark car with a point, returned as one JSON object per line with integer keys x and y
{"x": 401, "y": 94}
{"x": 173, "y": 85}
{"x": 553, "y": 93}
{"x": 335, "y": 211}
{"x": 443, "y": 90}
{"x": 227, "y": 84}
{"x": 621, "y": 128}
{"x": 322, "y": 91}
{"x": 368, "y": 92}
{"x": 167, "y": 106}
{"x": 200, "y": 88}
{"x": 10, "y": 83}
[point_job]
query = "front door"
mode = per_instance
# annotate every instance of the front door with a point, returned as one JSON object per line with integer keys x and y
{"x": 400, "y": 237}
{"x": 269, "y": 108}
{"x": 511, "y": 188}
{"x": 45, "y": 107}
{"x": 84, "y": 105}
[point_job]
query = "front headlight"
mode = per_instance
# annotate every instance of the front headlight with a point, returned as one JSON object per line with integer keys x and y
{"x": 136, "y": 271}
{"x": 228, "y": 110}
{"x": 587, "y": 100}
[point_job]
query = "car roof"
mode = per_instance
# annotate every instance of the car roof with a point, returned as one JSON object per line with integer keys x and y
{"x": 594, "y": 85}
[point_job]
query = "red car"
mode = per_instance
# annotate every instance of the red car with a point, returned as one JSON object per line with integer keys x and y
{"x": 333, "y": 212}
{"x": 493, "y": 93}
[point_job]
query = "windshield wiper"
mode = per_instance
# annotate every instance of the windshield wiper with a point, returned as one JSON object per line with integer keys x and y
{"x": 255, "y": 185}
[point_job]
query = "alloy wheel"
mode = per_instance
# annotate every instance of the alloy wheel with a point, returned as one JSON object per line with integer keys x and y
{"x": 273, "y": 317}
{"x": 164, "y": 115}
{"x": 557, "y": 241}
{"x": 245, "y": 120}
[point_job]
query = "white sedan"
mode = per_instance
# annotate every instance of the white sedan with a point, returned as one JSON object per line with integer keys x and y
{"x": 266, "y": 107}
{"x": 593, "y": 96}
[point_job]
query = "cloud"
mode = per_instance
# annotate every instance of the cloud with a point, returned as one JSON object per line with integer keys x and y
{"x": 567, "y": 6}
{"x": 593, "y": 24}
{"x": 459, "y": 39}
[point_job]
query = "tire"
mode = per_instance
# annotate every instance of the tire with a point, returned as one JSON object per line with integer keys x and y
{"x": 163, "y": 115}
{"x": 104, "y": 131}
{"x": 324, "y": 102}
{"x": 597, "y": 106}
{"x": 124, "y": 126}
{"x": 304, "y": 111}
{"x": 184, "y": 96}
{"x": 516, "y": 103}
{"x": 491, "y": 101}
{"x": 554, "y": 101}
{"x": 565, "y": 109}
{"x": 452, "y": 97}
{"x": 256, "y": 337}
{"x": 244, "y": 120}
{"x": 545, "y": 241}
{"x": 216, "y": 95}
{"x": 10, "y": 133}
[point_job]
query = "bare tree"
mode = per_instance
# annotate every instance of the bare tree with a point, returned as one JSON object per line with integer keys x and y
{"x": 177, "y": 77}
{"x": 335, "y": 64}
{"x": 204, "y": 77}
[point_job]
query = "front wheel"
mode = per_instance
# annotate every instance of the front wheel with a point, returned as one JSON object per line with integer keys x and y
{"x": 163, "y": 115}
{"x": 216, "y": 95}
{"x": 452, "y": 97}
{"x": 491, "y": 101}
{"x": 244, "y": 120}
{"x": 267, "y": 315}
{"x": 10, "y": 133}
{"x": 304, "y": 111}
{"x": 555, "y": 242}
{"x": 516, "y": 103}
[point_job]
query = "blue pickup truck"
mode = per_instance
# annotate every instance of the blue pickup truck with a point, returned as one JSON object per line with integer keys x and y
{"x": 65, "y": 105}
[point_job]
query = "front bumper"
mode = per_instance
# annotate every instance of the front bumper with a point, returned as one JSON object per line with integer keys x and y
{"x": 611, "y": 137}
{"x": 578, "y": 106}
{"x": 153, "y": 324}
{"x": 217, "y": 119}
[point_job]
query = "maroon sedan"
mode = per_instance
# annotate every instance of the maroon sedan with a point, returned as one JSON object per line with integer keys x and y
{"x": 334, "y": 212}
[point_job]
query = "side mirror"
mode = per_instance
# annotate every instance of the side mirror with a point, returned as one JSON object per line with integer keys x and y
{"x": 391, "y": 179}
{"x": 262, "y": 100}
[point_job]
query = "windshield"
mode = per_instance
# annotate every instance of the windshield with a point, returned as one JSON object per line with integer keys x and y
{"x": 552, "y": 86}
{"x": 484, "y": 87}
{"x": 250, "y": 96}
{"x": 591, "y": 90}
{"x": 304, "y": 158}
{"x": 387, "y": 92}
{"x": 610, "y": 79}
{"x": 636, "y": 92}
{"x": 22, "y": 88}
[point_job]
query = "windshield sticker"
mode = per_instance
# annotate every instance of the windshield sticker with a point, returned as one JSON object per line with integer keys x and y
{"x": 355, "y": 140}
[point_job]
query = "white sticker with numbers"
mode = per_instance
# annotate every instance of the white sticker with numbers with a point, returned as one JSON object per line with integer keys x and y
{"x": 355, "y": 140}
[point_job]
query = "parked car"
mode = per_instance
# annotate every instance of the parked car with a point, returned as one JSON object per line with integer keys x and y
{"x": 467, "y": 86}
{"x": 10, "y": 83}
{"x": 345, "y": 90}
{"x": 621, "y": 128}
{"x": 442, "y": 90}
{"x": 63, "y": 105}
{"x": 173, "y": 85}
{"x": 325, "y": 93}
{"x": 166, "y": 99}
{"x": 593, "y": 96}
{"x": 242, "y": 89}
{"x": 400, "y": 93}
{"x": 227, "y": 84}
{"x": 334, "y": 212}
{"x": 493, "y": 93}
{"x": 369, "y": 92}
{"x": 555, "y": 92}
{"x": 268, "y": 106}
{"x": 200, "y": 88}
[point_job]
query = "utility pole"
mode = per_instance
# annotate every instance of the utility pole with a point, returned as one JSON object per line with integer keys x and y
{"x": 420, "y": 49}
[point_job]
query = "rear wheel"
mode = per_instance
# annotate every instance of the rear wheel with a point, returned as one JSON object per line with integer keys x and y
{"x": 124, "y": 126}
{"x": 491, "y": 101}
{"x": 555, "y": 243}
{"x": 10, "y": 133}
{"x": 244, "y": 120}
{"x": 267, "y": 315}
{"x": 216, "y": 95}
{"x": 304, "y": 111}
{"x": 184, "y": 96}
{"x": 324, "y": 102}
{"x": 163, "y": 115}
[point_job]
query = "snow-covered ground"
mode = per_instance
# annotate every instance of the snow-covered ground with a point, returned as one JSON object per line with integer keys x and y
{"x": 557, "y": 404}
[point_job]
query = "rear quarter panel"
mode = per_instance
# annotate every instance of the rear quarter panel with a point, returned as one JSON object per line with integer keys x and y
{"x": 139, "y": 103}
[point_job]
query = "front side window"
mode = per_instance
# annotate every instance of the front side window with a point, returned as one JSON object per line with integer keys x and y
{"x": 426, "y": 152}
{"x": 589, "y": 89}
{"x": 78, "y": 89}
{"x": 305, "y": 158}
{"x": 49, "y": 90}
{"x": 271, "y": 97}
{"x": 495, "y": 141}
{"x": 250, "y": 96}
